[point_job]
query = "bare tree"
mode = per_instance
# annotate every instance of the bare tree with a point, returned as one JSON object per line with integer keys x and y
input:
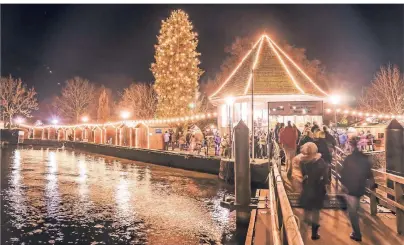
{"x": 386, "y": 93}
{"x": 16, "y": 98}
{"x": 103, "y": 112}
{"x": 76, "y": 98}
{"x": 140, "y": 99}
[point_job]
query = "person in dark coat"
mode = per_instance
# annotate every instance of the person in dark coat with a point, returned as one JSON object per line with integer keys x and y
{"x": 331, "y": 142}
{"x": 314, "y": 172}
{"x": 315, "y": 127}
{"x": 306, "y": 137}
{"x": 356, "y": 170}
{"x": 320, "y": 141}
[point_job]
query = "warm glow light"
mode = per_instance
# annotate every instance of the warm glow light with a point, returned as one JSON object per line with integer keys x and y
{"x": 235, "y": 70}
{"x": 255, "y": 63}
{"x": 286, "y": 68}
{"x": 191, "y": 105}
{"x": 338, "y": 110}
{"x": 84, "y": 119}
{"x": 335, "y": 99}
{"x": 328, "y": 110}
{"x": 19, "y": 120}
{"x": 294, "y": 64}
{"x": 346, "y": 112}
{"x": 55, "y": 121}
{"x": 125, "y": 114}
{"x": 229, "y": 100}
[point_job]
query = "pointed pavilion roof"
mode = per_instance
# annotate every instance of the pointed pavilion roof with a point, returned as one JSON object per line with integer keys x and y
{"x": 275, "y": 73}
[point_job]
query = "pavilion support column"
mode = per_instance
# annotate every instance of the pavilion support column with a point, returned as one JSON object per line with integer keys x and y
{"x": 74, "y": 134}
{"x": 116, "y": 137}
{"x": 130, "y": 137}
{"x": 49, "y": 133}
{"x": 33, "y": 133}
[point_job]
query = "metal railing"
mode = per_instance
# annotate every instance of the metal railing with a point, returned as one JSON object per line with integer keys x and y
{"x": 285, "y": 225}
{"x": 379, "y": 193}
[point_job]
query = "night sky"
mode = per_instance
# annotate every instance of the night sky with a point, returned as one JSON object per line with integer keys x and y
{"x": 114, "y": 44}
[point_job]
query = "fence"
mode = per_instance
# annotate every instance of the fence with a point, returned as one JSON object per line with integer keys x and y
{"x": 378, "y": 194}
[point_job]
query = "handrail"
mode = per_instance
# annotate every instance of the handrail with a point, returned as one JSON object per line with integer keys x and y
{"x": 396, "y": 205}
{"x": 286, "y": 224}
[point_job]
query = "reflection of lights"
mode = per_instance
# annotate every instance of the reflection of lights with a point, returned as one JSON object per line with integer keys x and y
{"x": 52, "y": 196}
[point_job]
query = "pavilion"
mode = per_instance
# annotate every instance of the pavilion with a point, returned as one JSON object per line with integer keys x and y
{"x": 281, "y": 90}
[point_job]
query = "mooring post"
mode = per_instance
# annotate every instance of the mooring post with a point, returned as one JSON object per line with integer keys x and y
{"x": 242, "y": 172}
{"x": 395, "y": 165}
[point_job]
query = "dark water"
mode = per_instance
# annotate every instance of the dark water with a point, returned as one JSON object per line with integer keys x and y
{"x": 52, "y": 196}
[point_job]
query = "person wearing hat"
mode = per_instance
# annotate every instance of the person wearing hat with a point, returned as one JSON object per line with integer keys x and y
{"x": 314, "y": 171}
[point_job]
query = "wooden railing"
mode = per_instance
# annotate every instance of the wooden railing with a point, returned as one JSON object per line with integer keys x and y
{"x": 379, "y": 194}
{"x": 285, "y": 229}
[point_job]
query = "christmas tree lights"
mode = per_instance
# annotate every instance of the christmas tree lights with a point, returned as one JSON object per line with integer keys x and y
{"x": 176, "y": 70}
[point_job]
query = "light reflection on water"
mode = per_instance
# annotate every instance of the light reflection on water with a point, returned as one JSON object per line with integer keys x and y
{"x": 67, "y": 197}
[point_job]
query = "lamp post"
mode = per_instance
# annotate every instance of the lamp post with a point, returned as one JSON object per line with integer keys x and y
{"x": 335, "y": 100}
{"x": 252, "y": 116}
{"x": 124, "y": 115}
{"x": 229, "y": 102}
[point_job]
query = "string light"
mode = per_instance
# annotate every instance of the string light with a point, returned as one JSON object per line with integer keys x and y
{"x": 129, "y": 123}
{"x": 367, "y": 114}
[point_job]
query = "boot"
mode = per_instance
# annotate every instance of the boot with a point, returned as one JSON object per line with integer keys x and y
{"x": 314, "y": 232}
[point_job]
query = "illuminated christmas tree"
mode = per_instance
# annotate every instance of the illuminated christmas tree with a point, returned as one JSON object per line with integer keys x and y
{"x": 176, "y": 68}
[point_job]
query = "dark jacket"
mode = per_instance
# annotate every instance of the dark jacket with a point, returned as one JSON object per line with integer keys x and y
{"x": 356, "y": 169}
{"x": 323, "y": 150}
{"x": 303, "y": 140}
{"x": 313, "y": 186}
{"x": 331, "y": 142}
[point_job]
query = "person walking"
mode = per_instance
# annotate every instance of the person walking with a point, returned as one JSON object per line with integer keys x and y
{"x": 314, "y": 172}
{"x": 370, "y": 141}
{"x": 217, "y": 143}
{"x": 356, "y": 170}
{"x": 173, "y": 140}
{"x": 324, "y": 150}
{"x": 181, "y": 141}
{"x": 263, "y": 145}
{"x": 276, "y": 132}
{"x": 306, "y": 137}
{"x": 288, "y": 138}
{"x": 343, "y": 138}
{"x": 331, "y": 142}
{"x": 166, "y": 137}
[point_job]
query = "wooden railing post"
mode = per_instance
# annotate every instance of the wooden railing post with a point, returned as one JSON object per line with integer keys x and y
{"x": 399, "y": 192}
{"x": 373, "y": 202}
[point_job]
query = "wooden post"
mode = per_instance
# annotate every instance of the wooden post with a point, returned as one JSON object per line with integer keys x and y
{"x": 130, "y": 137}
{"x": 373, "y": 202}
{"x": 399, "y": 192}
{"x": 242, "y": 172}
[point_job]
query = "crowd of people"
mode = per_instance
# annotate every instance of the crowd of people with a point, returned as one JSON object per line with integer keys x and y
{"x": 311, "y": 151}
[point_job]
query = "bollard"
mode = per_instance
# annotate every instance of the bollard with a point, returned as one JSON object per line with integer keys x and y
{"x": 242, "y": 172}
{"x": 395, "y": 148}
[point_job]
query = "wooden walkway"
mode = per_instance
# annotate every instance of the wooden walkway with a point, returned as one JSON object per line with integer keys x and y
{"x": 335, "y": 226}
